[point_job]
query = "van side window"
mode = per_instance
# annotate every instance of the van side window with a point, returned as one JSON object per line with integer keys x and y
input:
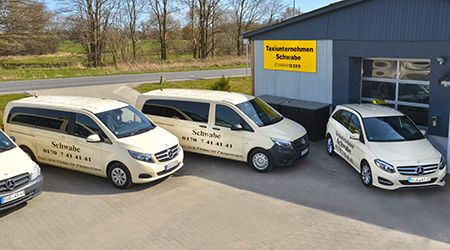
{"x": 85, "y": 127}
{"x": 343, "y": 117}
{"x": 24, "y": 119}
{"x": 162, "y": 111}
{"x": 227, "y": 117}
{"x": 193, "y": 111}
{"x": 52, "y": 119}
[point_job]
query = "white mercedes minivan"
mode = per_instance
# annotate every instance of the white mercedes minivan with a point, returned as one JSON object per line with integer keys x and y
{"x": 384, "y": 146}
{"x": 228, "y": 125}
{"x": 20, "y": 177}
{"x": 102, "y": 137}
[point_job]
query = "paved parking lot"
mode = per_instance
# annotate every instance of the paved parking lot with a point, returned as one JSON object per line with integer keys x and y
{"x": 216, "y": 203}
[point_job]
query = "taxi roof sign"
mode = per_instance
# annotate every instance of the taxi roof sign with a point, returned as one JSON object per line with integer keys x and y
{"x": 379, "y": 102}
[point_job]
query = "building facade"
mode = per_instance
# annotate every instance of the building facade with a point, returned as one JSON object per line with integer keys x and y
{"x": 398, "y": 51}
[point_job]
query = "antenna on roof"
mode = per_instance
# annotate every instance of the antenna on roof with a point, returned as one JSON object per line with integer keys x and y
{"x": 34, "y": 94}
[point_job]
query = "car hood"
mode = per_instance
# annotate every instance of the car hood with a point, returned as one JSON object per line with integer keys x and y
{"x": 285, "y": 130}
{"x": 405, "y": 152}
{"x": 14, "y": 162}
{"x": 151, "y": 142}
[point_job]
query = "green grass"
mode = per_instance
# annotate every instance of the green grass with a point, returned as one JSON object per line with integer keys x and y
{"x": 5, "y": 99}
{"x": 71, "y": 62}
{"x": 237, "y": 84}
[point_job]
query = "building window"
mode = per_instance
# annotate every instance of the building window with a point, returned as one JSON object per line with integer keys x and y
{"x": 404, "y": 84}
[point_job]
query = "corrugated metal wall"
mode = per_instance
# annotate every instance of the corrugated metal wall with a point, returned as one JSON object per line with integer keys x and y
{"x": 374, "y": 20}
{"x": 305, "y": 86}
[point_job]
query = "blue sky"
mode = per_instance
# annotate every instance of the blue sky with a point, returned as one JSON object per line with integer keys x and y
{"x": 305, "y": 5}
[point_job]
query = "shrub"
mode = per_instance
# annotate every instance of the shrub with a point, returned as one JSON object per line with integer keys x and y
{"x": 223, "y": 84}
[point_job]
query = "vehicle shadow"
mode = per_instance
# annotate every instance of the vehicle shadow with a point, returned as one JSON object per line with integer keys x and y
{"x": 67, "y": 181}
{"x": 9, "y": 211}
{"x": 330, "y": 184}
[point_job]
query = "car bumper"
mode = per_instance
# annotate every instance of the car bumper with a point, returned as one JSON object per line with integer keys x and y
{"x": 32, "y": 189}
{"x": 142, "y": 172}
{"x": 286, "y": 156}
{"x": 397, "y": 181}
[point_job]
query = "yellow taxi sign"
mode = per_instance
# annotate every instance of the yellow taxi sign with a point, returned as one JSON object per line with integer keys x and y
{"x": 379, "y": 102}
{"x": 291, "y": 55}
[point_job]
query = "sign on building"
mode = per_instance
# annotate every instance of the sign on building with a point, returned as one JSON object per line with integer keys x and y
{"x": 290, "y": 55}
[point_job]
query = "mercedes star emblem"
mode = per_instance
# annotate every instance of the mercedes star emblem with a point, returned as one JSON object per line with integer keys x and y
{"x": 420, "y": 171}
{"x": 10, "y": 184}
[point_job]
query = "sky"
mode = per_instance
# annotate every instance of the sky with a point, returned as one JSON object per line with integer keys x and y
{"x": 305, "y": 5}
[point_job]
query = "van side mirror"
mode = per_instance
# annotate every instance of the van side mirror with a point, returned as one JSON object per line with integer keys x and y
{"x": 13, "y": 138}
{"x": 237, "y": 127}
{"x": 355, "y": 137}
{"x": 93, "y": 138}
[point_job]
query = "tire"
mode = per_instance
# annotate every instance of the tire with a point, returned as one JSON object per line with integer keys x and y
{"x": 330, "y": 145}
{"x": 366, "y": 174}
{"x": 261, "y": 161}
{"x": 119, "y": 176}
{"x": 29, "y": 153}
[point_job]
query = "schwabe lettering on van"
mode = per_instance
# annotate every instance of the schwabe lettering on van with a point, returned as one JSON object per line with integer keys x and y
{"x": 97, "y": 136}
{"x": 229, "y": 125}
{"x": 20, "y": 177}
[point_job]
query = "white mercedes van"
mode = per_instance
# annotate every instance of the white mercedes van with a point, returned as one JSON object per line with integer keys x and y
{"x": 229, "y": 125}
{"x": 97, "y": 136}
{"x": 20, "y": 177}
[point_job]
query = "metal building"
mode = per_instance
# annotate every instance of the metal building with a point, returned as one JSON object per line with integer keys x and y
{"x": 398, "y": 51}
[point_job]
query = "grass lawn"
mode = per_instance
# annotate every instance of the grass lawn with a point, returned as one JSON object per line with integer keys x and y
{"x": 4, "y": 99}
{"x": 237, "y": 84}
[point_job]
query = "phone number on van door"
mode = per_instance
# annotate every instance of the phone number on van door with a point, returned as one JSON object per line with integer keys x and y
{"x": 66, "y": 155}
{"x": 207, "y": 142}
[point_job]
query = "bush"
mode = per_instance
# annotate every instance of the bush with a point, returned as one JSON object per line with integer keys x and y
{"x": 223, "y": 84}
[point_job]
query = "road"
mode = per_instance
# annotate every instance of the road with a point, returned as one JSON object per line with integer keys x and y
{"x": 132, "y": 79}
{"x": 212, "y": 203}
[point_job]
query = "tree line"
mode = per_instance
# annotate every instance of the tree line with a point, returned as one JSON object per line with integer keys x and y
{"x": 118, "y": 27}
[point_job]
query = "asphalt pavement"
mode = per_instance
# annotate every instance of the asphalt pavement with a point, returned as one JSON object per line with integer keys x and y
{"x": 131, "y": 79}
{"x": 213, "y": 203}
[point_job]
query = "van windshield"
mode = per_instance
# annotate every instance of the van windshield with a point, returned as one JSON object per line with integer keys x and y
{"x": 5, "y": 143}
{"x": 261, "y": 113}
{"x": 125, "y": 122}
{"x": 391, "y": 129}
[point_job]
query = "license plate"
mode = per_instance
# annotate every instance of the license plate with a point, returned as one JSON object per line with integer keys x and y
{"x": 171, "y": 165}
{"x": 12, "y": 197}
{"x": 304, "y": 152}
{"x": 418, "y": 179}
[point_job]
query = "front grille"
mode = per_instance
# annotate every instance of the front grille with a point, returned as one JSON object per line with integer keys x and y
{"x": 19, "y": 181}
{"x": 168, "y": 154}
{"x": 300, "y": 142}
{"x": 406, "y": 182}
{"x": 418, "y": 170}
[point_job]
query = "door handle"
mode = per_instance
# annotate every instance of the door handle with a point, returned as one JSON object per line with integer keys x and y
{"x": 202, "y": 126}
{"x": 218, "y": 129}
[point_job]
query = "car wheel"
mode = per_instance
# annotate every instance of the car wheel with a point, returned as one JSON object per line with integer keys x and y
{"x": 261, "y": 161}
{"x": 330, "y": 145}
{"x": 29, "y": 153}
{"x": 366, "y": 174}
{"x": 119, "y": 176}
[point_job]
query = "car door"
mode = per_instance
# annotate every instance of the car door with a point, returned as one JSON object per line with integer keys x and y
{"x": 231, "y": 142}
{"x": 358, "y": 146}
{"x": 51, "y": 138}
{"x": 343, "y": 145}
{"x": 90, "y": 157}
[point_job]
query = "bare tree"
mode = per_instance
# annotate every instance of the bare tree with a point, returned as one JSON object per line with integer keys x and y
{"x": 162, "y": 10}
{"x": 274, "y": 9}
{"x": 92, "y": 19}
{"x": 245, "y": 12}
{"x": 134, "y": 10}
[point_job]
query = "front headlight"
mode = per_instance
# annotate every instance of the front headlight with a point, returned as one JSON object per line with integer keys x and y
{"x": 141, "y": 156}
{"x": 442, "y": 163}
{"x": 282, "y": 143}
{"x": 385, "y": 166}
{"x": 35, "y": 173}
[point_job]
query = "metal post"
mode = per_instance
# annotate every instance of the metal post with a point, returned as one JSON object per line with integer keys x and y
{"x": 293, "y": 10}
{"x": 246, "y": 42}
{"x": 448, "y": 146}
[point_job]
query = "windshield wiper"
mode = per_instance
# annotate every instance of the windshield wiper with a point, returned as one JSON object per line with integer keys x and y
{"x": 7, "y": 148}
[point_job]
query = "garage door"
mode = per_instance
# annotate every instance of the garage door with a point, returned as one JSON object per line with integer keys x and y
{"x": 403, "y": 83}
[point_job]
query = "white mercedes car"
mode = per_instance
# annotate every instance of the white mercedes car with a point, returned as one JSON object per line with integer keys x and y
{"x": 384, "y": 146}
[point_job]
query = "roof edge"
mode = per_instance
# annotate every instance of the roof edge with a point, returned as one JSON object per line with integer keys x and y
{"x": 299, "y": 18}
